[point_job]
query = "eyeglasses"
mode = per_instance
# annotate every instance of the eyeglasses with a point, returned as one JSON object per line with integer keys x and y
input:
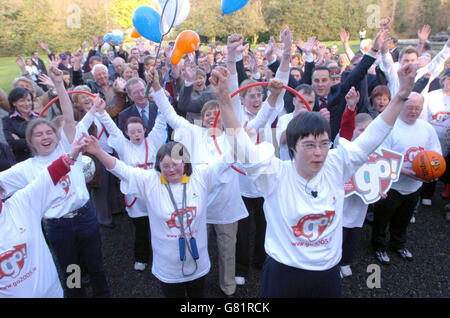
{"x": 311, "y": 146}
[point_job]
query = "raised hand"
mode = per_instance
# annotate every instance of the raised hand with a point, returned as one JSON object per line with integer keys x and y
{"x": 91, "y": 144}
{"x": 385, "y": 23}
{"x": 344, "y": 35}
{"x": 325, "y": 113}
{"x": 286, "y": 38}
{"x": 275, "y": 86}
{"x": 310, "y": 45}
{"x": 77, "y": 147}
{"x": 43, "y": 46}
{"x": 380, "y": 39}
{"x": 56, "y": 74}
{"x": 406, "y": 76}
{"x": 21, "y": 63}
{"x": 424, "y": 33}
{"x": 77, "y": 60}
{"x": 252, "y": 62}
{"x": 189, "y": 71}
{"x": 352, "y": 98}
{"x": 155, "y": 79}
{"x": 219, "y": 80}
{"x": 234, "y": 45}
{"x": 99, "y": 104}
{"x": 119, "y": 85}
{"x": 268, "y": 54}
{"x": 45, "y": 80}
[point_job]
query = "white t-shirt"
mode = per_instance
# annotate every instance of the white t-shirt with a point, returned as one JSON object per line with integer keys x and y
{"x": 164, "y": 224}
{"x": 73, "y": 184}
{"x": 436, "y": 111}
{"x": 303, "y": 231}
{"x": 282, "y": 124}
{"x": 134, "y": 155}
{"x": 27, "y": 269}
{"x": 410, "y": 140}
{"x": 201, "y": 147}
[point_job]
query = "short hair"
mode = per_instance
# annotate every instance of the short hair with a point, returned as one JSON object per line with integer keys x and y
{"x": 30, "y": 127}
{"x": 394, "y": 39}
{"x": 365, "y": 43}
{"x": 303, "y": 125}
{"x": 25, "y": 79}
{"x": 175, "y": 150}
{"x": 297, "y": 69}
{"x": 380, "y": 90}
{"x": 16, "y": 94}
{"x": 322, "y": 68}
{"x": 200, "y": 72}
{"x": 213, "y": 103}
{"x": 83, "y": 88}
{"x": 95, "y": 58}
{"x": 132, "y": 81}
{"x": 99, "y": 66}
{"x": 134, "y": 120}
{"x": 248, "y": 82}
{"x": 132, "y": 57}
{"x": 148, "y": 58}
{"x": 124, "y": 66}
{"x": 306, "y": 88}
{"x": 408, "y": 50}
{"x": 362, "y": 118}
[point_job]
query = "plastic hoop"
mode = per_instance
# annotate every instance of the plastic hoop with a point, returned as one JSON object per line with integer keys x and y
{"x": 54, "y": 100}
{"x": 293, "y": 91}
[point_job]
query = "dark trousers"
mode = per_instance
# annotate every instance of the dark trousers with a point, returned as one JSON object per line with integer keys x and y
{"x": 256, "y": 213}
{"x": 78, "y": 238}
{"x": 350, "y": 238}
{"x": 282, "y": 281}
{"x": 192, "y": 289}
{"x": 142, "y": 239}
{"x": 394, "y": 213}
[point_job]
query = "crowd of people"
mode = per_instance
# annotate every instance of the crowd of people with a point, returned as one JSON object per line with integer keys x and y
{"x": 163, "y": 155}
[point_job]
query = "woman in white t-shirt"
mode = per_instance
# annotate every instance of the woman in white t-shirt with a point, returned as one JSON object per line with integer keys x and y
{"x": 27, "y": 269}
{"x": 304, "y": 197}
{"x": 70, "y": 223}
{"x": 176, "y": 196}
{"x": 140, "y": 152}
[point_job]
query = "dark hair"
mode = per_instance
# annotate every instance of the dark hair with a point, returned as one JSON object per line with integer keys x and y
{"x": 175, "y": 150}
{"x": 16, "y": 94}
{"x": 134, "y": 120}
{"x": 306, "y": 88}
{"x": 95, "y": 58}
{"x": 303, "y": 125}
{"x": 322, "y": 68}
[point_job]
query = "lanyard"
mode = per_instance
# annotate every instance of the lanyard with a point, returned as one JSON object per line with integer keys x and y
{"x": 192, "y": 247}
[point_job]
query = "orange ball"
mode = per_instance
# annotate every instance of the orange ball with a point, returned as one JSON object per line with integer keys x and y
{"x": 429, "y": 165}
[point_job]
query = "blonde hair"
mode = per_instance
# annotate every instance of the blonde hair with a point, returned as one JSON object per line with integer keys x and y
{"x": 209, "y": 105}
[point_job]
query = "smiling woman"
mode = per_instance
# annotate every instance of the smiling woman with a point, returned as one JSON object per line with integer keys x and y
{"x": 14, "y": 126}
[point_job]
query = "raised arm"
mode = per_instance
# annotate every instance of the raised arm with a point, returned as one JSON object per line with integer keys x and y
{"x": 345, "y": 37}
{"x": 348, "y": 118}
{"x": 64, "y": 99}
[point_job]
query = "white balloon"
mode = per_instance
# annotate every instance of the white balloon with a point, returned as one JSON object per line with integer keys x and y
{"x": 106, "y": 46}
{"x": 117, "y": 32}
{"x": 182, "y": 9}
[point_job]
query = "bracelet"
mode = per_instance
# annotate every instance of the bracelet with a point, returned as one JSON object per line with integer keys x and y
{"x": 375, "y": 50}
{"x": 402, "y": 98}
{"x": 67, "y": 159}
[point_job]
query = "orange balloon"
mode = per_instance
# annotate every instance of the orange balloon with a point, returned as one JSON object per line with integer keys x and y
{"x": 186, "y": 42}
{"x": 135, "y": 34}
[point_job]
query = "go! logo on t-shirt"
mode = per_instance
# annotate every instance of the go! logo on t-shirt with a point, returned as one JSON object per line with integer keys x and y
{"x": 313, "y": 225}
{"x": 12, "y": 261}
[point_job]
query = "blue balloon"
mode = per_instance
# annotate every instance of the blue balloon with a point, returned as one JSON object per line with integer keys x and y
{"x": 109, "y": 36}
{"x": 146, "y": 21}
{"x": 230, "y": 6}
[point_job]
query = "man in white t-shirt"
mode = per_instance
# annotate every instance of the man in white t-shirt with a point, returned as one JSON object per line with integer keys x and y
{"x": 409, "y": 136}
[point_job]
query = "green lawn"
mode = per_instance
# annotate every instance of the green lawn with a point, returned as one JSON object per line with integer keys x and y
{"x": 8, "y": 72}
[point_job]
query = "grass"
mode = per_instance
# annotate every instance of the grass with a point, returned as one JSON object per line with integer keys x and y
{"x": 8, "y": 72}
